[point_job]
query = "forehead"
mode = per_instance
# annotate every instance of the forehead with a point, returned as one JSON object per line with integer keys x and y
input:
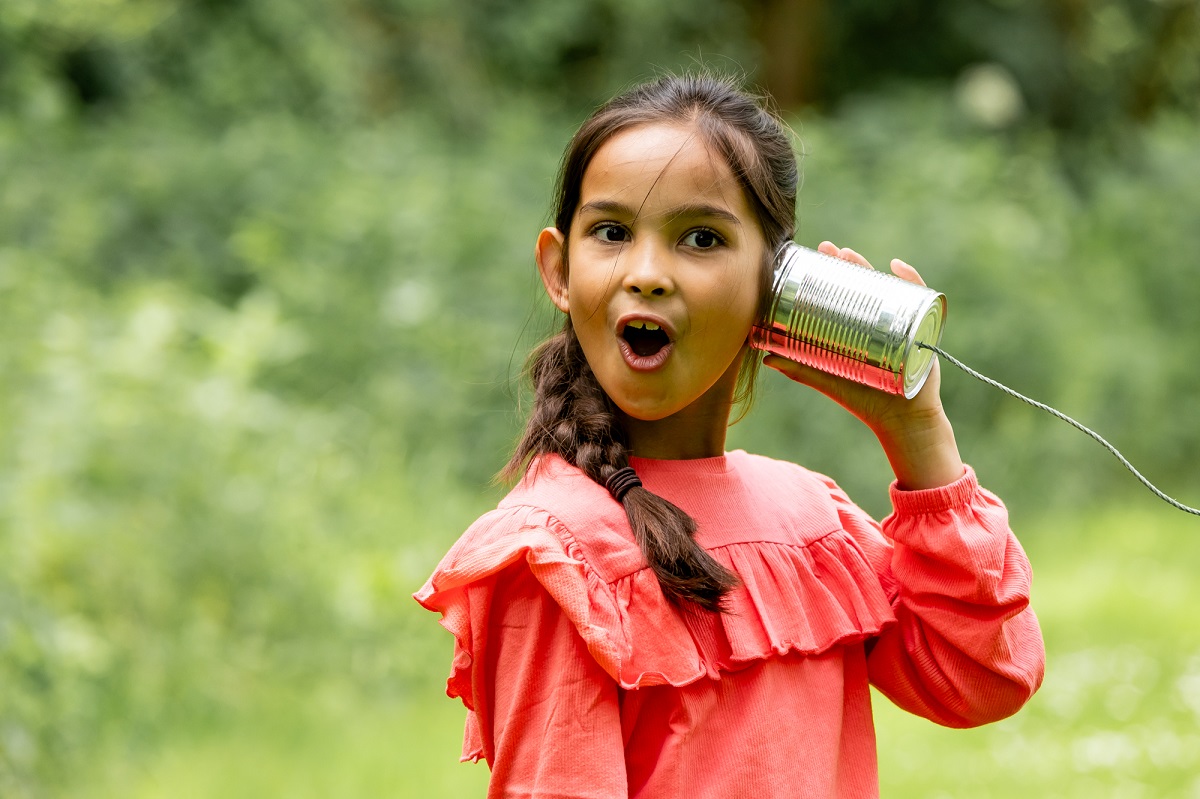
{"x": 657, "y": 164}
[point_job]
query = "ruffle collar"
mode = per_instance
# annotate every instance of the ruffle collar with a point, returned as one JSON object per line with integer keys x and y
{"x": 802, "y": 599}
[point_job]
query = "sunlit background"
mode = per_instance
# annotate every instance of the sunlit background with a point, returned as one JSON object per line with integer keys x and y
{"x": 266, "y": 287}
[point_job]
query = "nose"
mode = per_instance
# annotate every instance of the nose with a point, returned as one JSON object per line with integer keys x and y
{"x": 647, "y": 271}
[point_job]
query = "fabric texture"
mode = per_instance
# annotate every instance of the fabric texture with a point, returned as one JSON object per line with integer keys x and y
{"x": 581, "y": 680}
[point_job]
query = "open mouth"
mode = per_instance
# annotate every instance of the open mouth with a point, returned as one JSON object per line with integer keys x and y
{"x": 645, "y": 338}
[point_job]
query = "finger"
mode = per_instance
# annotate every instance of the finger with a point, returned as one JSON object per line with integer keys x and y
{"x": 854, "y": 397}
{"x": 785, "y": 366}
{"x": 807, "y": 375}
{"x": 828, "y": 247}
{"x": 905, "y": 271}
{"x": 847, "y": 254}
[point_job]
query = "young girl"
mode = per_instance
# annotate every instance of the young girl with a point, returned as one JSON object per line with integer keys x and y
{"x": 648, "y": 615}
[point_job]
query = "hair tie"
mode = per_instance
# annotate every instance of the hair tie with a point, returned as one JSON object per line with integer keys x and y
{"x": 620, "y": 481}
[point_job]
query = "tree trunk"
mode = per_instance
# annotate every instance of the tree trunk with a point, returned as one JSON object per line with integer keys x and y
{"x": 789, "y": 32}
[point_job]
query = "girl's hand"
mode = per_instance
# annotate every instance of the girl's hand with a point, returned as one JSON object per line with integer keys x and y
{"x": 915, "y": 434}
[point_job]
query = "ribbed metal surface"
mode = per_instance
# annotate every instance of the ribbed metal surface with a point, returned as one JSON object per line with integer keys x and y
{"x": 851, "y": 321}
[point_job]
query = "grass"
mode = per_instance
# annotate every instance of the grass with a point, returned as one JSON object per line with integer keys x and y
{"x": 338, "y": 743}
{"x": 1118, "y": 715}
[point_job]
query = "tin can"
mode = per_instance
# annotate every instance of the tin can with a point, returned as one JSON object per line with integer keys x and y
{"x": 851, "y": 321}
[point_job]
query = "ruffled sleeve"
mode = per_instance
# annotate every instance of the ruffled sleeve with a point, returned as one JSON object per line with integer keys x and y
{"x": 967, "y": 648}
{"x": 462, "y": 588}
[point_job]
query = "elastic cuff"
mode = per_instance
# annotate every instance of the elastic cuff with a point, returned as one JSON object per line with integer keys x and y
{"x": 935, "y": 500}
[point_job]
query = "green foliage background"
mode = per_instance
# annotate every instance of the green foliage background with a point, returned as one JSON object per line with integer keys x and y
{"x": 265, "y": 290}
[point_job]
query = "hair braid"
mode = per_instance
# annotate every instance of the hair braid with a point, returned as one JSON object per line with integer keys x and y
{"x": 575, "y": 419}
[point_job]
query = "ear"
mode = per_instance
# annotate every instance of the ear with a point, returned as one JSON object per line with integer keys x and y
{"x": 551, "y": 256}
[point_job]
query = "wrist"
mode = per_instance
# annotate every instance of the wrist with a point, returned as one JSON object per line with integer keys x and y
{"x": 922, "y": 452}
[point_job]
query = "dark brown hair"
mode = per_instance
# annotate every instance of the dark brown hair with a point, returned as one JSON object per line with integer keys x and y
{"x": 572, "y": 416}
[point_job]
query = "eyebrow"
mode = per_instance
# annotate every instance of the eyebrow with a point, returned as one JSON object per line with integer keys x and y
{"x": 687, "y": 211}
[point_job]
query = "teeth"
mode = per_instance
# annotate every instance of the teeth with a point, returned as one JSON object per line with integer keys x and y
{"x": 643, "y": 324}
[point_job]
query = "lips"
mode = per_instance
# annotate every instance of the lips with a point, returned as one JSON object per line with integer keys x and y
{"x": 645, "y": 342}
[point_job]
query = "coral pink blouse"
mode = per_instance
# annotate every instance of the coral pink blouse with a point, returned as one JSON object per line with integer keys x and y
{"x": 581, "y": 680}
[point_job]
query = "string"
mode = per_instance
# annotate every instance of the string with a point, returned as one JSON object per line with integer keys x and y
{"x": 1060, "y": 415}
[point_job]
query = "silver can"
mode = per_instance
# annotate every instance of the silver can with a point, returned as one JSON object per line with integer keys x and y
{"x": 851, "y": 321}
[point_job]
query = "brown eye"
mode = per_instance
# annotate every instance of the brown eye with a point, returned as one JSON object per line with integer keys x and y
{"x": 702, "y": 239}
{"x": 611, "y": 233}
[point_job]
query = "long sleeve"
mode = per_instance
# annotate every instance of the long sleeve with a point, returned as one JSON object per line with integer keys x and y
{"x": 966, "y": 649}
{"x": 555, "y": 719}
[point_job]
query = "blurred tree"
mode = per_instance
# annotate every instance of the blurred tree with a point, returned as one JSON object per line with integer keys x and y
{"x": 791, "y": 33}
{"x": 348, "y": 60}
{"x": 818, "y": 54}
{"x": 1090, "y": 70}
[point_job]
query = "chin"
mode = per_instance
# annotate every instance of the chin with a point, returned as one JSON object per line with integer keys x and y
{"x": 647, "y": 412}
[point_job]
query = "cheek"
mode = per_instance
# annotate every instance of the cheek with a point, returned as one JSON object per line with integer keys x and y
{"x": 589, "y": 288}
{"x": 742, "y": 285}
{"x": 741, "y": 299}
{"x": 588, "y": 308}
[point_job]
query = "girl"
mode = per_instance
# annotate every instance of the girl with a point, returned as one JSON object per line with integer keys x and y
{"x": 648, "y": 615}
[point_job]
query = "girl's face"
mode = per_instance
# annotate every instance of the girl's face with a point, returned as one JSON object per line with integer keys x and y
{"x": 661, "y": 273}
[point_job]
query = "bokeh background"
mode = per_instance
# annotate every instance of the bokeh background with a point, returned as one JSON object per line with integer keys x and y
{"x": 266, "y": 288}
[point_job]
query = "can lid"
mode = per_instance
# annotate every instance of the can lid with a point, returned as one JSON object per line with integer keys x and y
{"x": 918, "y": 361}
